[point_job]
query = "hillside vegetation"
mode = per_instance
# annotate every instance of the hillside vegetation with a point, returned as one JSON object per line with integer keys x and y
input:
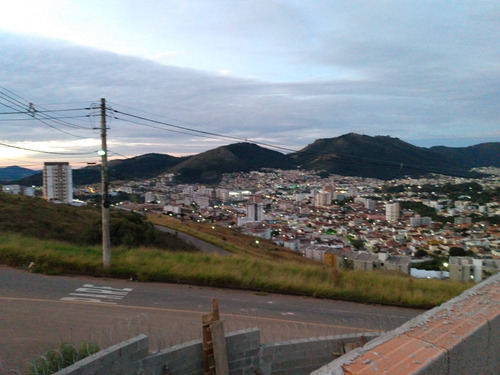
{"x": 54, "y": 238}
{"x": 34, "y": 217}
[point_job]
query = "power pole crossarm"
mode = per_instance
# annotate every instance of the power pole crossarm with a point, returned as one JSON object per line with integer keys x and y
{"x": 106, "y": 241}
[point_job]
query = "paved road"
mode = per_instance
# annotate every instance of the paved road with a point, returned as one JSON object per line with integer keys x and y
{"x": 204, "y": 246}
{"x": 39, "y": 312}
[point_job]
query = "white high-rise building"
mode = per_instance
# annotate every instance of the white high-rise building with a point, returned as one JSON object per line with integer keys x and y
{"x": 57, "y": 182}
{"x": 392, "y": 212}
{"x": 255, "y": 212}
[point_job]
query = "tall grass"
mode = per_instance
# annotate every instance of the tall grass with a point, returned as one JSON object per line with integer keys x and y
{"x": 237, "y": 271}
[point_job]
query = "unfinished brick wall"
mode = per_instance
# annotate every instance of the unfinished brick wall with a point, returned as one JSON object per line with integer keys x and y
{"x": 460, "y": 337}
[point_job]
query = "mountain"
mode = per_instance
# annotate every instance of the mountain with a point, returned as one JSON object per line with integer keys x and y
{"x": 139, "y": 167}
{"x": 385, "y": 157}
{"x": 209, "y": 166}
{"x": 15, "y": 173}
{"x": 351, "y": 154}
{"x": 484, "y": 154}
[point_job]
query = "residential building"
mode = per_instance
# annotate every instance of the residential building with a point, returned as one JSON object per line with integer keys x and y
{"x": 418, "y": 221}
{"x": 392, "y": 212}
{"x": 58, "y": 182}
{"x": 467, "y": 269}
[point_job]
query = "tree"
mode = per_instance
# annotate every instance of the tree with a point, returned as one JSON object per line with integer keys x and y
{"x": 421, "y": 253}
{"x": 457, "y": 252}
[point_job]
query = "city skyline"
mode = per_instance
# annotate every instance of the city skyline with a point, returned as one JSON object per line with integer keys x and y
{"x": 278, "y": 72}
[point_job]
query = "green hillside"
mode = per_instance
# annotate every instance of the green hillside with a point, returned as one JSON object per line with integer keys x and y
{"x": 209, "y": 166}
{"x": 34, "y": 217}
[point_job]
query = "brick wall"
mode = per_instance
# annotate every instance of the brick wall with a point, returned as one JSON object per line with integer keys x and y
{"x": 460, "y": 337}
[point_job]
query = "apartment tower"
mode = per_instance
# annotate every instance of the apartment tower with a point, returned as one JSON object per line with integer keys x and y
{"x": 392, "y": 212}
{"x": 57, "y": 182}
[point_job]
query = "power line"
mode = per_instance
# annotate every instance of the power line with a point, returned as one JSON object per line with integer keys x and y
{"x": 351, "y": 159}
{"x": 181, "y": 127}
{"x": 160, "y": 128}
{"x": 23, "y": 107}
{"x": 48, "y": 152}
{"x": 54, "y": 118}
{"x": 45, "y": 111}
{"x": 27, "y": 108}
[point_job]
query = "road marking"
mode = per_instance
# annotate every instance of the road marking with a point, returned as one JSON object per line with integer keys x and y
{"x": 98, "y": 294}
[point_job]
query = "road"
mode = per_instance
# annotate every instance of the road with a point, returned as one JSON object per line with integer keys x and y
{"x": 204, "y": 246}
{"x": 39, "y": 312}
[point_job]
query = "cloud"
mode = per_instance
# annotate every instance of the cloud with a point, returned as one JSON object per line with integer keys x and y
{"x": 406, "y": 69}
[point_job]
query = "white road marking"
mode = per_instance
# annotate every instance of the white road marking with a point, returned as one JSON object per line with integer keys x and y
{"x": 98, "y": 294}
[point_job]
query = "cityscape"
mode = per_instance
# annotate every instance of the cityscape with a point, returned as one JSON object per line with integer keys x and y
{"x": 249, "y": 187}
{"x": 408, "y": 225}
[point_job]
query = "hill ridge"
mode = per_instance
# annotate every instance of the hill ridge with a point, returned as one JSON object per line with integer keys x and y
{"x": 351, "y": 154}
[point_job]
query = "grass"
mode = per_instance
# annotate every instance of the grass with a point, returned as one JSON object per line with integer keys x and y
{"x": 57, "y": 359}
{"x": 38, "y": 218}
{"x": 262, "y": 274}
{"x": 231, "y": 240}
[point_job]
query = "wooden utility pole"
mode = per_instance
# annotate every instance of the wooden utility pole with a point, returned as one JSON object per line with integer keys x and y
{"x": 106, "y": 241}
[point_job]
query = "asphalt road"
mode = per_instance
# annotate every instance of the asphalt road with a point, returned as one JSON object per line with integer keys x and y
{"x": 204, "y": 246}
{"x": 39, "y": 312}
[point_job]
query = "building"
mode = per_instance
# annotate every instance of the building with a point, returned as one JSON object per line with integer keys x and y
{"x": 418, "y": 221}
{"x": 255, "y": 211}
{"x": 11, "y": 189}
{"x": 58, "y": 182}
{"x": 357, "y": 260}
{"x": 150, "y": 197}
{"x": 392, "y": 212}
{"x": 370, "y": 204}
{"x": 323, "y": 198}
{"x": 467, "y": 269}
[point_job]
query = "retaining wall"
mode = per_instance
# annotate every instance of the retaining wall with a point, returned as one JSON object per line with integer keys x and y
{"x": 460, "y": 337}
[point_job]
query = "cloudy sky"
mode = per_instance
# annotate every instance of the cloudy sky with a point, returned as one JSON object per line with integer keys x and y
{"x": 279, "y": 72}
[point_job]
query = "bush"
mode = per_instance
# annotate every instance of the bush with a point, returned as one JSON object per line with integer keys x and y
{"x": 57, "y": 359}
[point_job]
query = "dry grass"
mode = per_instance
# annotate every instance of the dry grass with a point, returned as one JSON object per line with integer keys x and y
{"x": 238, "y": 271}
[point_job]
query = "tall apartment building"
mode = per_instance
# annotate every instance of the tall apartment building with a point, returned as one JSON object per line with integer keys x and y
{"x": 57, "y": 182}
{"x": 392, "y": 212}
{"x": 255, "y": 211}
{"x": 323, "y": 198}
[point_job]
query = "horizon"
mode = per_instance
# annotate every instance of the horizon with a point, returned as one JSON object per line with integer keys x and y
{"x": 123, "y": 157}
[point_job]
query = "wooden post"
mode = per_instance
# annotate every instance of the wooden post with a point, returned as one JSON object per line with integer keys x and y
{"x": 214, "y": 343}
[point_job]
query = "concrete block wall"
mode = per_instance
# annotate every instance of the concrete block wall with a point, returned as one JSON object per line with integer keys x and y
{"x": 246, "y": 356}
{"x": 243, "y": 351}
{"x": 123, "y": 358}
{"x": 183, "y": 359}
{"x": 187, "y": 359}
{"x": 299, "y": 357}
{"x": 460, "y": 337}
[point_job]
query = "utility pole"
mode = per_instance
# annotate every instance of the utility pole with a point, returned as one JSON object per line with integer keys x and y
{"x": 106, "y": 241}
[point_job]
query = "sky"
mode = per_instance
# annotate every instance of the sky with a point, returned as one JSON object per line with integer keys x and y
{"x": 280, "y": 73}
